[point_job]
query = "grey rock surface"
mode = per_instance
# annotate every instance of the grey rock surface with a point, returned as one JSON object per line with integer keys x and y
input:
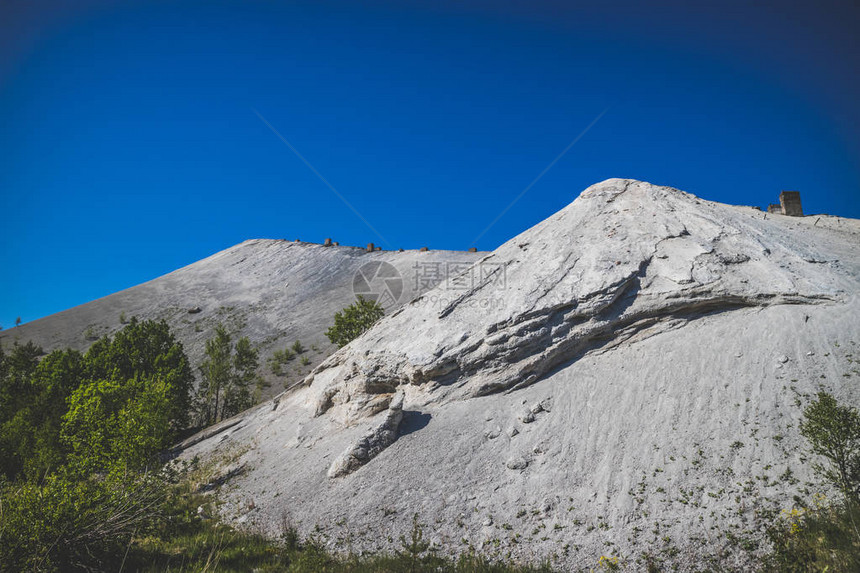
{"x": 636, "y": 330}
{"x": 272, "y": 291}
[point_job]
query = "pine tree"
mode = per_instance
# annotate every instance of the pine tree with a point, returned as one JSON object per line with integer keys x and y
{"x": 228, "y": 375}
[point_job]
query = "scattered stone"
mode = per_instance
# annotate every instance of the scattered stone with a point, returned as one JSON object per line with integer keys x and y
{"x": 517, "y": 463}
{"x": 493, "y": 434}
{"x": 195, "y": 310}
{"x": 782, "y": 359}
{"x": 526, "y": 416}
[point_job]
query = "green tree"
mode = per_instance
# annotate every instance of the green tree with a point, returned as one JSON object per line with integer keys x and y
{"x": 824, "y": 536}
{"x": 144, "y": 349}
{"x": 54, "y": 379}
{"x": 75, "y": 431}
{"x": 227, "y": 374}
{"x": 353, "y": 320}
{"x": 833, "y": 432}
{"x": 216, "y": 371}
{"x": 124, "y": 400}
{"x": 19, "y": 410}
{"x": 117, "y": 422}
{"x": 245, "y": 365}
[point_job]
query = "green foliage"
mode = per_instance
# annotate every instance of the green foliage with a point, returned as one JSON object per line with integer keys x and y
{"x": 818, "y": 539}
{"x": 69, "y": 523}
{"x": 415, "y": 547}
{"x": 146, "y": 349}
{"x": 117, "y": 422}
{"x": 833, "y": 432}
{"x": 120, "y": 403}
{"x": 824, "y": 537}
{"x": 26, "y": 404}
{"x": 278, "y": 359}
{"x": 192, "y": 544}
{"x": 228, "y": 374}
{"x": 297, "y": 347}
{"x": 29, "y": 435}
{"x": 353, "y": 320}
{"x": 73, "y": 430}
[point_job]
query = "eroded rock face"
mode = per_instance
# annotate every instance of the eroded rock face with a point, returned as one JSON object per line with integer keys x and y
{"x": 376, "y": 440}
{"x": 625, "y": 258}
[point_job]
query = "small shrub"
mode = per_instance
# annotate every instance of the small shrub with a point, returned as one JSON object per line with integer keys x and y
{"x": 833, "y": 432}
{"x": 821, "y": 538}
{"x": 354, "y": 320}
{"x": 278, "y": 359}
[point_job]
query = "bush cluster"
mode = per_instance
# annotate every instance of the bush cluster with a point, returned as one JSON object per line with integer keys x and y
{"x": 354, "y": 320}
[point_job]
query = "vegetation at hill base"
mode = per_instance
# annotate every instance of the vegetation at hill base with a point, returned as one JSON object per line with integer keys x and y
{"x": 353, "y": 320}
{"x": 85, "y": 483}
{"x": 229, "y": 382}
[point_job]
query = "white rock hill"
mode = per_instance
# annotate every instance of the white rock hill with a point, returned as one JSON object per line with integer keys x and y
{"x": 272, "y": 291}
{"x": 629, "y": 371}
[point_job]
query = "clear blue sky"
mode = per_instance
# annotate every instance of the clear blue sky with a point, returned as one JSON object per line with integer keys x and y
{"x": 129, "y": 144}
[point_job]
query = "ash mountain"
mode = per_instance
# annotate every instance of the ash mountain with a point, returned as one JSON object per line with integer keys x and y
{"x": 623, "y": 373}
{"x": 629, "y": 371}
{"x": 275, "y": 292}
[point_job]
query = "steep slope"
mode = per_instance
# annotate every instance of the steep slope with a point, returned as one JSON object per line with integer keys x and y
{"x": 625, "y": 377}
{"x": 273, "y": 291}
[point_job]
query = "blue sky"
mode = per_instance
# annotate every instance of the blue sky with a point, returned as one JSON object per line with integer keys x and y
{"x": 131, "y": 147}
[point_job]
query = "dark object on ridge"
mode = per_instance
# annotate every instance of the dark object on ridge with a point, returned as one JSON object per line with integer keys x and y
{"x": 790, "y": 202}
